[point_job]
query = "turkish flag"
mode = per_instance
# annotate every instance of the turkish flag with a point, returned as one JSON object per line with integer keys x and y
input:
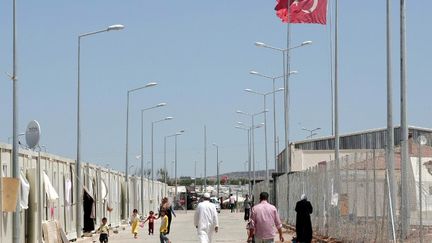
{"x": 302, "y": 11}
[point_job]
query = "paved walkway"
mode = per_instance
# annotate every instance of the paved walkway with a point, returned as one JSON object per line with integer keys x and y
{"x": 232, "y": 229}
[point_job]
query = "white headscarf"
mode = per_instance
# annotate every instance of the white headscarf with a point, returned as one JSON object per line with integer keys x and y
{"x": 303, "y": 197}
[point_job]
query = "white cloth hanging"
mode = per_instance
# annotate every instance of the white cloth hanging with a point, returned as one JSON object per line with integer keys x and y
{"x": 49, "y": 189}
{"x": 104, "y": 190}
{"x": 68, "y": 188}
{"x": 24, "y": 190}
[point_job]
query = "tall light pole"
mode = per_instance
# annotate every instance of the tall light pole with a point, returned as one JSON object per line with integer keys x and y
{"x": 142, "y": 148}
{"x": 273, "y": 78}
{"x": 217, "y": 169}
{"x": 152, "y": 153}
{"x": 252, "y": 134}
{"x": 78, "y": 179}
{"x": 311, "y": 131}
{"x": 129, "y": 92}
{"x": 264, "y": 95}
{"x": 175, "y": 159}
{"x": 251, "y": 141}
{"x": 15, "y": 160}
{"x": 285, "y": 52}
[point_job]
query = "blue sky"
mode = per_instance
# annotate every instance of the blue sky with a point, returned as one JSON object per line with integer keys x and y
{"x": 200, "y": 53}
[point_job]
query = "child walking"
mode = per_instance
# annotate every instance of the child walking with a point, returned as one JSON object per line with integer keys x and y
{"x": 104, "y": 231}
{"x": 164, "y": 227}
{"x": 135, "y": 220}
{"x": 151, "y": 218}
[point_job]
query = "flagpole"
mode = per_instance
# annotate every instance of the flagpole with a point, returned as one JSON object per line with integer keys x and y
{"x": 336, "y": 108}
{"x": 286, "y": 110}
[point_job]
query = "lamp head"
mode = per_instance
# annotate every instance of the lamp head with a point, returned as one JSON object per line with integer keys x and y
{"x": 115, "y": 27}
{"x": 169, "y": 118}
{"x": 254, "y": 72}
{"x": 260, "y": 44}
{"x": 151, "y": 84}
{"x": 306, "y": 43}
{"x": 293, "y": 72}
{"x": 161, "y": 104}
{"x": 248, "y": 90}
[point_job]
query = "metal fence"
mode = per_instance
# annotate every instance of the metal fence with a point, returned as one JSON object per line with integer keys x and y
{"x": 359, "y": 211}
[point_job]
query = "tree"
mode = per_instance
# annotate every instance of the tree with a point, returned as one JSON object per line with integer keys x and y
{"x": 162, "y": 175}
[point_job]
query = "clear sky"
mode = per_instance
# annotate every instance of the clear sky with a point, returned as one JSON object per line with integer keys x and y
{"x": 200, "y": 53}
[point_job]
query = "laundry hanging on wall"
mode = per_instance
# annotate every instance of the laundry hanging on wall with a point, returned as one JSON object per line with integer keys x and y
{"x": 49, "y": 189}
{"x": 68, "y": 190}
{"x": 24, "y": 190}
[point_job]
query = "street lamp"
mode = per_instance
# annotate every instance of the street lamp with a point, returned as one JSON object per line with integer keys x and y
{"x": 252, "y": 132}
{"x": 129, "y": 92}
{"x": 311, "y": 131}
{"x": 273, "y": 78}
{"x": 251, "y": 143}
{"x": 142, "y": 147}
{"x": 78, "y": 179}
{"x": 175, "y": 159}
{"x": 152, "y": 153}
{"x": 285, "y": 55}
{"x": 264, "y": 95}
{"x": 217, "y": 168}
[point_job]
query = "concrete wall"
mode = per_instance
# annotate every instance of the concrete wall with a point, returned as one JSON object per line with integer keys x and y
{"x": 60, "y": 170}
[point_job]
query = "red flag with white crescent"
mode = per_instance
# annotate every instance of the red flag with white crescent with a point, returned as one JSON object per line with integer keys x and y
{"x": 302, "y": 11}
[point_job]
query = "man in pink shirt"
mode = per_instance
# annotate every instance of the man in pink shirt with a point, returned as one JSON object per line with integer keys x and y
{"x": 265, "y": 221}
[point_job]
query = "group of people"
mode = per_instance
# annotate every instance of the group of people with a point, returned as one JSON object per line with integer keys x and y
{"x": 166, "y": 212}
{"x": 262, "y": 221}
{"x": 263, "y": 218}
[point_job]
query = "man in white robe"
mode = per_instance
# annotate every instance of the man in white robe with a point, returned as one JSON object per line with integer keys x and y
{"x": 206, "y": 220}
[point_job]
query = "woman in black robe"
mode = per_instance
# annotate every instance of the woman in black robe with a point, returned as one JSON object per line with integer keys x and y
{"x": 303, "y": 220}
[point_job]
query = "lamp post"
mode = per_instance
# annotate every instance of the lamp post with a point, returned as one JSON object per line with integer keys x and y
{"x": 78, "y": 187}
{"x": 152, "y": 153}
{"x": 217, "y": 169}
{"x": 142, "y": 148}
{"x": 252, "y": 116}
{"x": 175, "y": 160}
{"x": 311, "y": 131}
{"x": 251, "y": 144}
{"x": 264, "y": 95}
{"x": 129, "y": 92}
{"x": 285, "y": 52}
{"x": 273, "y": 78}
{"x": 248, "y": 130}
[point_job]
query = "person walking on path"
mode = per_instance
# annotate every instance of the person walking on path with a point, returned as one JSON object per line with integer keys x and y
{"x": 303, "y": 220}
{"x": 265, "y": 218}
{"x": 134, "y": 221}
{"x": 169, "y": 211}
{"x": 232, "y": 202}
{"x": 163, "y": 228}
{"x": 151, "y": 218}
{"x": 206, "y": 219}
{"x": 247, "y": 207}
{"x": 104, "y": 231}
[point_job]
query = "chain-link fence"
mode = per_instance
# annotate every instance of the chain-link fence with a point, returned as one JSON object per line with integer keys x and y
{"x": 359, "y": 210}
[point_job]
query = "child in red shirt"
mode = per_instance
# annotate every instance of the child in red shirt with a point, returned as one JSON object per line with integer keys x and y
{"x": 151, "y": 218}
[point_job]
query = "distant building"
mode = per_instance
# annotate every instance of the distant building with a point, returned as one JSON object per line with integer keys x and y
{"x": 308, "y": 153}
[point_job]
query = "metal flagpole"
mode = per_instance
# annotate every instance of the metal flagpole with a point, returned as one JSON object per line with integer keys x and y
{"x": 405, "y": 213}
{"x": 390, "y": 131}
{"x": 286, "y": 106}
{"x": 336, "y": 103}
